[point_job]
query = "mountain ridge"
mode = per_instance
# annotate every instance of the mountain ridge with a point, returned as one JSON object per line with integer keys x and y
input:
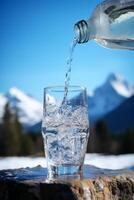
{"x": 105, "y": 98}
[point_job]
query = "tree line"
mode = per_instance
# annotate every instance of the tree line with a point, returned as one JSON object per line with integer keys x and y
{"x": 102, "y": 140}
{"x": 14, "y": 141}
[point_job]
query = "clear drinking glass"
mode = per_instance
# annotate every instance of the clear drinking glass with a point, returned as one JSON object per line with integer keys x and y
{"x": 65, "y": 130}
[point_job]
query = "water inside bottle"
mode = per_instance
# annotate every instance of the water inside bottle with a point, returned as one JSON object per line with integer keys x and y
{"x": 116, "y": 29}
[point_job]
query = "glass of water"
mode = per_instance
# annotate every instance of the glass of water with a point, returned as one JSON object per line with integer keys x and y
{"x": 65, "y": 129}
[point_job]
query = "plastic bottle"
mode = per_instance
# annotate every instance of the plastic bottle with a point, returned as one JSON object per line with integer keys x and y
{"x": 111, "y": 25}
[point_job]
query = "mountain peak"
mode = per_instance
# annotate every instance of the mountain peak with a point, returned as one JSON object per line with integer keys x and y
{"x": 115, "y": 77}
{"x": 18, "y": 95}
{"x": 16, "y": 92}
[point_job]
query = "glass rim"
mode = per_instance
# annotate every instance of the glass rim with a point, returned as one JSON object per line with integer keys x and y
{"x": 61, "y": 88}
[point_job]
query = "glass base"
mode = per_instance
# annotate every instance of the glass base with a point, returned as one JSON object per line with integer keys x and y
{"x": 64, "y": 172}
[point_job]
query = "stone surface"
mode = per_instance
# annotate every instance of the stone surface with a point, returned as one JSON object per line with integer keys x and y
{"x": 95, "y": 184}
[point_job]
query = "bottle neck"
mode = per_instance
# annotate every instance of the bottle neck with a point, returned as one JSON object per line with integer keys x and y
{"x": 81, "y": 31}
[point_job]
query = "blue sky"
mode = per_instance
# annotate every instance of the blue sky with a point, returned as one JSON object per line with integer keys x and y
{"x": 34, "y": 45}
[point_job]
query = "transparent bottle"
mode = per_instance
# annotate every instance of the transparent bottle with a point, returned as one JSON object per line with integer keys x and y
{"x": 111, "y": 25}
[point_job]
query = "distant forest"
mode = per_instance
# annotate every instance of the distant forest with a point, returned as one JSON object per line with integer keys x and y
{"x": 14, "y": 141}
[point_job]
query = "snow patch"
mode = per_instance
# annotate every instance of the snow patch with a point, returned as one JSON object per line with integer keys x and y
{"x": 122, "y": 89}
{"x": 98, "y": 160}
{"x": 110, "y": 162}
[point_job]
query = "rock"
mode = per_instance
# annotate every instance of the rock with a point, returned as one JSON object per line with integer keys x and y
{"x": 95, "y": 184}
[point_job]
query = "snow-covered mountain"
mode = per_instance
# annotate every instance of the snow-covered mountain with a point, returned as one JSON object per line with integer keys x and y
{"x": 109, "y": 96}
{"x": 28, "y": 109}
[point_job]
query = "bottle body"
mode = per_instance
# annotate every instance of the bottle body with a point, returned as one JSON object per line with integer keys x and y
{"x": 111, "y": 25}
